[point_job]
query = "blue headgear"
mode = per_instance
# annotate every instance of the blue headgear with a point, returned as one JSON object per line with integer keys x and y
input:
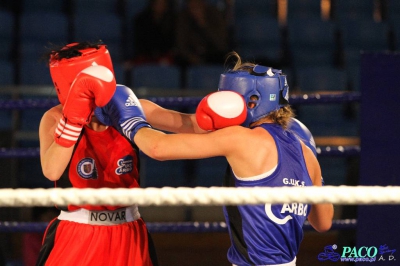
{"x": 268, "y": 85}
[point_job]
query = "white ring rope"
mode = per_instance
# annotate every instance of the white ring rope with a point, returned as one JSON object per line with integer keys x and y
{"x": 168, "y": 196}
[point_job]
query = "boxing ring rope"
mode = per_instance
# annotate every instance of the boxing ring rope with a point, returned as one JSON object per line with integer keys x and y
{"x": 166, "y": 227}
{"x": 322, "y": 151}
{"x": 313, "y": 98}
{"x": 192, "y": 196}
{"x": 200, "y": 196}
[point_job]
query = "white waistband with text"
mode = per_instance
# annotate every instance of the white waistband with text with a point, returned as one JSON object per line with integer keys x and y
{"x": 118, "y": 216}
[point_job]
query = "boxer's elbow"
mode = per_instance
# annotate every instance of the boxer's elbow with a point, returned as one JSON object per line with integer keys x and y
{"x": 51, "y": 173}
{"x": 156, "y": 152}
{"x": 323, "y": 227}
{"x": 153, "y": 143}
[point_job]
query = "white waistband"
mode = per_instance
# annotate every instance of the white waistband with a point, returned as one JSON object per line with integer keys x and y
{"x": 118, "y": 216}
{"x": 292, "y": 263}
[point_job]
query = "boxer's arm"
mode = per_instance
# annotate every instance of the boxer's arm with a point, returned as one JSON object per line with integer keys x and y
{"x": 170, "y": 120}
{"x": 54, "y": 158}
{"x": 321, "y": 215}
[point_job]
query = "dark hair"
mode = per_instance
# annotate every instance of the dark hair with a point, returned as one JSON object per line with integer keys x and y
{"x": 70, "y": 50}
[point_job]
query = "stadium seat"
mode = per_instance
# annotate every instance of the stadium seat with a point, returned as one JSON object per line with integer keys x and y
{"x": 105, "y": 27}
{"x": 258, "y": 37}
{"x": 33, "y": 72}
{"x": 48, "y": 5}
{"x": 303, "y": 9}
{"x": 40, "y": 29}
{"x": 203, "y": 77}
{"x": 313, "y": 79}
{"x": 155, "y": 77}
{"x": 312, "y": 42}
{"x": 7, "y": 31}
{"x": 363, "y": 35}
{"x": 353, "y": 10}
{"x": 7, "y": 72}
{"x": 244, "y": 9}
{"x": 98, "y": 7}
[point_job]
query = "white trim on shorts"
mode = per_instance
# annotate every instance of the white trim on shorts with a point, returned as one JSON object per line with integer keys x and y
{"x": 292, "y": 263}
{"x": 119, "y": 216}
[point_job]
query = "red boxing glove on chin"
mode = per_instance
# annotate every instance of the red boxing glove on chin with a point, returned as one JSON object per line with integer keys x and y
{"x": 221, "y": 109}
{"x": 93, "y": 86}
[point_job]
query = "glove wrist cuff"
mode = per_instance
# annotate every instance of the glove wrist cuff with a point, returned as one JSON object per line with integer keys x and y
{"x": 67, "y": 134}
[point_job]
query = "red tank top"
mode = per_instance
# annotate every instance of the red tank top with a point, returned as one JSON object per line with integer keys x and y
{"x": 101, "y": 160}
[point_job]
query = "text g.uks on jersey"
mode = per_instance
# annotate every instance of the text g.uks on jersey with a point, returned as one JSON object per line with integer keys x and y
{"x": 293, "y": 182}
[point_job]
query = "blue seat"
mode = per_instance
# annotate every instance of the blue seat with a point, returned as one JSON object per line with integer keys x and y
{"x": 30, "y": 118}
{"x": 161, "y": 173}
{"x": 132, "y": 8}
{"x": 98, "y": 7}
{"x": 353, "y": 77}
{"x": 155, "y": 77}
{"x": 40, "y": 29}
{"x": 328, "y": 120}
{"x": 33, "y": 72}
{"x": 40, "y": 5}
{"x": 7, "y": 72}
{"x": 334, "y": 170}
{"x": 32, "y": 50}
{"x": 105, "y": 27}
{"x": 210, "y": 172}
{"x": 353, "y": 9}
{"x": 312, "y": 79}
{"x": 119, "y": 73}
{"x": 396, "y": 33}
{"x": 7, "y": 30}
{"x": 303, "y": 9}
{"x": 244, "y": 9}
{"x": 45, "y": 26}
{"x": 204, "y": 77}
{"x": 363, "y": 36}
{"x": 312, "y": 42}
{"x": 258, "y": 37}
{"x": 393, "y": 12}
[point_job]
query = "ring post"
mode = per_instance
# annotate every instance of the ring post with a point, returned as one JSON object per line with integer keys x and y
{"x": 378, "y": 225}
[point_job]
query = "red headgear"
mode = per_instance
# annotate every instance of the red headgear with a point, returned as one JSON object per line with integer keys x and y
{"x": 63, "y": 71}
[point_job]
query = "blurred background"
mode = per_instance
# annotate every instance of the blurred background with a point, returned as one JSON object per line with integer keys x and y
{"x": 178, "y": 48}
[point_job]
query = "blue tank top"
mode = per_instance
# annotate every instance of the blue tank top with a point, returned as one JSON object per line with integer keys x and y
{"x": 270, "y": 234}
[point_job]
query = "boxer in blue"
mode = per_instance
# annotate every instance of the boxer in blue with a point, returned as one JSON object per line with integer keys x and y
{"x": 260, "y": 148}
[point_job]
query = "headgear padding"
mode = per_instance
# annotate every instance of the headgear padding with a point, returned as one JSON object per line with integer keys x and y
{"x": 63, "y": 71}
{"x": 264, "y": 89}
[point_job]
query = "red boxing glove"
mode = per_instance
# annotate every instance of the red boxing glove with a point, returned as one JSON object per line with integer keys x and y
{"x": 93, "y": 86}
{"x": 221, "y": 109}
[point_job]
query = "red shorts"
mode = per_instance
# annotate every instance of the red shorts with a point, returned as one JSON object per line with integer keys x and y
{"x": 72, "y": 244}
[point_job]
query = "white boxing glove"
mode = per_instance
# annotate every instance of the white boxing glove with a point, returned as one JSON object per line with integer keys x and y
{"x": 221, "y": 109}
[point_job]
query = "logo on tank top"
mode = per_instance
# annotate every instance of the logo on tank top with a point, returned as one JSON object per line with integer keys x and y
{"x": 125, "y": 165}
{"x": 290, "y": 208}
{"x": 86, "y": 168}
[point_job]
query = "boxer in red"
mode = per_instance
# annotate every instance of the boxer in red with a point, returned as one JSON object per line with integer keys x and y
{"x": 75, "y": 152}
